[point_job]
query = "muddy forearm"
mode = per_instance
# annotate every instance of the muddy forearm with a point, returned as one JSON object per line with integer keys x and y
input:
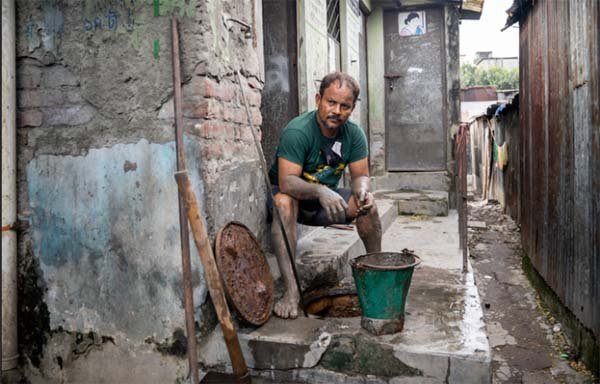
{"x": 300, "y": 189}
{"x": 361, "y": 183}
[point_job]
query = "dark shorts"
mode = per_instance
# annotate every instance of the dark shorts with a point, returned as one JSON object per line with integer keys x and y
{"x": 310, "y": 212}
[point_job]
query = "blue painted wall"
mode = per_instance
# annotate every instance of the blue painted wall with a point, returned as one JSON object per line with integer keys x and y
{"x": 106, "y": 232}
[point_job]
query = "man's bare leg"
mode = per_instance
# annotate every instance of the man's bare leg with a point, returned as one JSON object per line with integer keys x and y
{"x": 368, "y": 227}
{"x": 287, "y": 306}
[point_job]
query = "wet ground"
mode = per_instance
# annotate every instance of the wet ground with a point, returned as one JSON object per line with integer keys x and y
{"x": 527, "y": 344}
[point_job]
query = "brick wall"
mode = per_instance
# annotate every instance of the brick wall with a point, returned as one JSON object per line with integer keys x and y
{"x": 99, "y": 253}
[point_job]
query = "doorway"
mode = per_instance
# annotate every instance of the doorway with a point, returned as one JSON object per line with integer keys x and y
{"x": 280, "y": 92}
{"x": 415, "y": 90}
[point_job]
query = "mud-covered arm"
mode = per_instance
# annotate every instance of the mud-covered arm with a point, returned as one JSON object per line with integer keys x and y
{"x": 291, "y": 184}
{"x": 361, "y": 184}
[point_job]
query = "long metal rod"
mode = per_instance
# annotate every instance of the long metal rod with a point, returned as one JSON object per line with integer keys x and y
{"x": 263, "y": 166}
{"x": 10, "y": 352}
{"x": 188, "y": 299}
{"x": 213, "y": 278}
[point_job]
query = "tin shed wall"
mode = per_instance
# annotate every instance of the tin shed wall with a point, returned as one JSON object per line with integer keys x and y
{"x": 560, "y": 152}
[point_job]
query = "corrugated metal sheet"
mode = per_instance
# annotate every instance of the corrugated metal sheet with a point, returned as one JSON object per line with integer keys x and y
{"x": 559, "y": 180}
{"x": 481, "y": 93}
{"x": 551, "y": 185}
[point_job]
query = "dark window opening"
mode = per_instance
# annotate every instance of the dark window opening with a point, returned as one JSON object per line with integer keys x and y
{"x": 333, "y": 19}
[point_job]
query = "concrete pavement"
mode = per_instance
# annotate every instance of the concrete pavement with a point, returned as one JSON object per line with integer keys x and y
{"x": 444, "y": 339}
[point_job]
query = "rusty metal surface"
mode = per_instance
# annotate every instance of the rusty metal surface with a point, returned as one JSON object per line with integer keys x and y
{"x": 245, "y": 272}
{"x": 479, "y": 93}
{"x": 552, "y": 184}
{"x": 460, "y": 154}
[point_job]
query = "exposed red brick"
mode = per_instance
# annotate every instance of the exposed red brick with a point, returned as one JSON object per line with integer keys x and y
{"x": 226, "y": 91}
{"x": 212, "y": 150}
{"x": 29, "y": 118}
{"x": 206, "y": 87}
{"x": 233, "y": 113}
{"x": 255, "y": 83}
{"x": 215, "y": 130}
{"x": 246, "y": 133}
{"x": 229, "y": 112}
{"x": 256, "y": 116}
{"x": 202, "y": 109}
{"x": 254, "y": 98}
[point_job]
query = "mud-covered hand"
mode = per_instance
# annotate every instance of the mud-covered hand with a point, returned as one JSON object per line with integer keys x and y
{"x": 360, "y": 191}
{"x": 367, "y": 204}
{"x": 333, "y": 203}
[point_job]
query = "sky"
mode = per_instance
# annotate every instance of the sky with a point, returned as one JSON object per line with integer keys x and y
{"x": 484, "y": 34}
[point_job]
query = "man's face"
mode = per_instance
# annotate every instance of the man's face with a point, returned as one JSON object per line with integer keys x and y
{"x": 334, "y": 107}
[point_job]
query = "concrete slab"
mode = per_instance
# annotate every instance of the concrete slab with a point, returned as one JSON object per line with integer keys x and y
{"x": 322, "y": 255}
{"x": 444, "y": 339}
{"x": 434, "y": 239}
{"x": 421, "y": 202}
{"x": 438, "y": 181}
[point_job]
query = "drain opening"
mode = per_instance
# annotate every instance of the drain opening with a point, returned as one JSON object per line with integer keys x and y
{"x": 345, "y": 305}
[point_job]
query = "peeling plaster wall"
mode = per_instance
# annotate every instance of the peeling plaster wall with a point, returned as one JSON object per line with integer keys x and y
{"x": 99, "y": 251}
{"x": 312, "y": 50}
{"x": 107, "y": 238}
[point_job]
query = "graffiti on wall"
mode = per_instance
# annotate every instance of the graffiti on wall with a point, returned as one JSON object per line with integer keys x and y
{"x": 47, "y": 30}
{"x": 109, "y": 21}
{"x": 122, "y": 15}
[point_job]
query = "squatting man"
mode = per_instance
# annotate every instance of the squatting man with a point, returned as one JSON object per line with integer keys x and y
{"x": 313, "y": 152}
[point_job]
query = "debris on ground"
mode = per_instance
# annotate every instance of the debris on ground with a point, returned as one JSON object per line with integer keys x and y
{"x": 528, "y": 344}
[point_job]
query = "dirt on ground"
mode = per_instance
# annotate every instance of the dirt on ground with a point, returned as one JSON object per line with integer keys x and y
{"x": 528, "y": 345}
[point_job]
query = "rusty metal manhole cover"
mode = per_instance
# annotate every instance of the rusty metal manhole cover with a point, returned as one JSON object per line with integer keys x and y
{"x": 245, "y": 272}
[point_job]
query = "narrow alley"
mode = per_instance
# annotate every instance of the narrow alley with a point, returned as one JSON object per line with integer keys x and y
{"x": 527, "y": 342}
{"x": 301, "y": 191}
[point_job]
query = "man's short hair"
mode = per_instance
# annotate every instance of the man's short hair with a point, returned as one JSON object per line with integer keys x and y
{"x": 343, "y": 79}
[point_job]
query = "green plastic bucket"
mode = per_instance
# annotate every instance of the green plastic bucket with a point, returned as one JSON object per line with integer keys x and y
{"x": 382, "y": 280}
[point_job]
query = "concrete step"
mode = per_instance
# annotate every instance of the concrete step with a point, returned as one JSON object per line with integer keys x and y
{"x": 424, "y": 202}
{"x": 322, "y": 255}
{"x": 436, "y": 181}
{"x": 444, "y": 339}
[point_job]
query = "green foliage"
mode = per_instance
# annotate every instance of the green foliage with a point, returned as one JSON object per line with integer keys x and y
{"x": 501, "y": 78}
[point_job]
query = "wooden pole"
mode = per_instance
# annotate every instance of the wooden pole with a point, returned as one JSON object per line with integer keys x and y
{"x": 188, "y": 301}
{"x": 211, "y": 274}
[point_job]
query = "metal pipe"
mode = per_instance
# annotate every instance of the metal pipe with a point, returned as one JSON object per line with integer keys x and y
{"x": 188, "y": 299}
{"x": 9, "y": 190}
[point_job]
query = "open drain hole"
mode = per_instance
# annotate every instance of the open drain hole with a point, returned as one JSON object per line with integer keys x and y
{"x": 332, "y": 303}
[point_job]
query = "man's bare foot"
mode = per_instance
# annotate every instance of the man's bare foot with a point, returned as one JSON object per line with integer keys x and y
{"x": 287, "y": 306}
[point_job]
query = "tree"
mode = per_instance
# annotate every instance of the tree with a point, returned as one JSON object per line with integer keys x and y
{"x": 501, "y": 78}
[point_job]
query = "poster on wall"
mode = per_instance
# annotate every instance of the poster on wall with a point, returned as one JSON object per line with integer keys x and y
{"x": 412, "y": 23}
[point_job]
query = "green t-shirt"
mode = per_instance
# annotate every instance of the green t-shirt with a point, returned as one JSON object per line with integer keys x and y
{"x": 301, "y": 143}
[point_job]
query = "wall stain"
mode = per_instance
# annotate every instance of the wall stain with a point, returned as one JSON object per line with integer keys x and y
{"x": 84, "y": 343}
{"x": 129, "y": 166}
{"x": 174, "y": 346}
{"x": 34, "y": 318}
